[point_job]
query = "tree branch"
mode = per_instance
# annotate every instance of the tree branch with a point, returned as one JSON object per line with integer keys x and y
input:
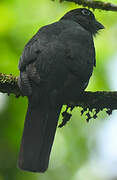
{"x": 8, "y": 84}
{"x": 94, "y": 4}
{"x": 97, "y": 100}
{"x": 91, "y": 100}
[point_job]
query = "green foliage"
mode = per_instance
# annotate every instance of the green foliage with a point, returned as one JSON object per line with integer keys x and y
{"x": 19, "y": 21}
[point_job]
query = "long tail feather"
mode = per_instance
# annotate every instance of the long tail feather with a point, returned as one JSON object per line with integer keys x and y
{"x": 39, "y": 131}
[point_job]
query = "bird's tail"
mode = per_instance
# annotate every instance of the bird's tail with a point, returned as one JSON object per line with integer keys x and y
{"x": 39, "y": 131}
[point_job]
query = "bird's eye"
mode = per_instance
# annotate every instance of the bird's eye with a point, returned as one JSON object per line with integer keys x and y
{"x": 85, "y": 12}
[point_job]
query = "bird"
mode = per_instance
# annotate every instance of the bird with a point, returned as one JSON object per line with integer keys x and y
{"x": 56, "y": 64}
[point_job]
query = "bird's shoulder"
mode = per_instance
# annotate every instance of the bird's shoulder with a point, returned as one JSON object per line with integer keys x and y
{"x": 45, "y": 36}
{"x": 52, "y": 37}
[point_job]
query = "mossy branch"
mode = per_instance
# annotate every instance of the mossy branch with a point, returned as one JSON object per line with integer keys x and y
{"x": 91, "y": 100}
{"x": 8, "y": 84}
{"x": 95, "y": 4}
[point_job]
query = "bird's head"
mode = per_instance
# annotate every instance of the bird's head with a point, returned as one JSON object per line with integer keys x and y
{"x": 85, "y": 18}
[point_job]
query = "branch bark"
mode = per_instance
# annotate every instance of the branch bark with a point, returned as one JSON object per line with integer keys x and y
{"x": 94, "y": 4}
{"x": 91, "y": 100}
{"x": 8, "y": 84}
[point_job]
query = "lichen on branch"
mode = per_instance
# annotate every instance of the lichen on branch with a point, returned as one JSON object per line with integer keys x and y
{"x": 94, "y": 4}
{"x": 91, "y": 100}
{"x": 8, "y": 84}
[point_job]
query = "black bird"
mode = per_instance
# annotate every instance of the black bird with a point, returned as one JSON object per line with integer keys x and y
{"x": 56, "y": 63}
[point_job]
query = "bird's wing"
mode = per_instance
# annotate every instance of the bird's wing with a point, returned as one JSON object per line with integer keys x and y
{"x": 37, "y": 57}
{"x": 38, "y": 43}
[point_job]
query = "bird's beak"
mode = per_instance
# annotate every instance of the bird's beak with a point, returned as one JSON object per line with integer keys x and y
{"x": 98, "y": 25}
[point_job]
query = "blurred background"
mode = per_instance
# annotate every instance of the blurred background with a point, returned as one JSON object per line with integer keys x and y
{"x": 81, "y": 150}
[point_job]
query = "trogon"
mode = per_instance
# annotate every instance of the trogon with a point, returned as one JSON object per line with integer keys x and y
{"x": 56, "y": 64}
